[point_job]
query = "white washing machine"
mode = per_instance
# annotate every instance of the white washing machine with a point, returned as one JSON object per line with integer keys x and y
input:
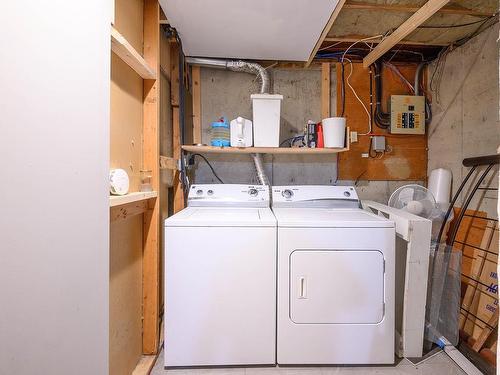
{"x": 335, "y": 278}
{"x": 220, "y": 274}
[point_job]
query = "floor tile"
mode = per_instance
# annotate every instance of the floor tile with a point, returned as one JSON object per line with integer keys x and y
{"x": 438, "y": 364}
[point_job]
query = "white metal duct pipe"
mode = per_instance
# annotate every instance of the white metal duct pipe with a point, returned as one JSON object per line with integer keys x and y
{"x": 259, "y": 167}
{"x": 236, "y": 66}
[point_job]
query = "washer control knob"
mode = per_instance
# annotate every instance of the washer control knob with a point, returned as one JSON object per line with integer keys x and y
{"x": 287, "y": 193}
{"x": 347, "y": 194}
{"x": 253, "y": 192}
{"x": 210, "y": 192}
{"x": 199, "y": 192}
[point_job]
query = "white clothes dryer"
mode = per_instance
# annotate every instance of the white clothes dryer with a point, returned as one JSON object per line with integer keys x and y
{"x": 335, "y": 278}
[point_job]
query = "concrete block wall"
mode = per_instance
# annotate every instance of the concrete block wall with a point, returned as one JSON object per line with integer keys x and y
{"x": 465, "y": 108}
{"x": 226, "y": 93}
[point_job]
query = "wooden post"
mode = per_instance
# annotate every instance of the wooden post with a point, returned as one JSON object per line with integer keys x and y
{"x": 196, "y": 104}
{"x": 151, "y": 157}
{"x": 325, "y": 90}
{"x": 418, "y": 18}
{"x": 174, "y": 97}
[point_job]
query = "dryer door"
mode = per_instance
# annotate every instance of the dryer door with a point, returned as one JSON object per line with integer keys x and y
{"x": 336, "y": 286}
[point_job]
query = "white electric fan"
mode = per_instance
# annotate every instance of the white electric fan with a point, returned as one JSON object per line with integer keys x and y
{"x": 414, "y": 199}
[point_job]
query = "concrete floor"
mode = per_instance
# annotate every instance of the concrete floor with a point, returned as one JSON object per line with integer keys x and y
{"x": 439, "y": 364}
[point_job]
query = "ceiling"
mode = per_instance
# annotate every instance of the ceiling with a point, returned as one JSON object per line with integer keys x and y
{"x": 365, "y": 18}
{"x": 249, "y": 29}
{"x": 287, "y": 30}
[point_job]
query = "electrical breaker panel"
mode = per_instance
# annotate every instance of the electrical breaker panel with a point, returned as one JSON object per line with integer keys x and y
{"x": 407, "y": 114}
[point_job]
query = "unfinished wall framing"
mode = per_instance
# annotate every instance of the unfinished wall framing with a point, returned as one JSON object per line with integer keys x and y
{"x": 135, "y": 217}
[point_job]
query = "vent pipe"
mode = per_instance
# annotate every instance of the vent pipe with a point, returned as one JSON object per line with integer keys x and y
{"x": 236, "y": 66}
{"x": 247, "y": 67}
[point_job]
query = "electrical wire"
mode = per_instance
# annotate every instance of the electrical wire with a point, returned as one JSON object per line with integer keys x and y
{"x": 358, "y": 98}
{"x": 454, "y": 26}
{"x": 292, "y": 140}
{"x": 209, "y": 165}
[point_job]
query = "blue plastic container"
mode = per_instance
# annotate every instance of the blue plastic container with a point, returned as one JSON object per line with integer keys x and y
{"x": 220, "y": 133}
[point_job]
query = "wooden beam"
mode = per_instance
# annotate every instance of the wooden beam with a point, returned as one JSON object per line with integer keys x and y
{"x": 325, "y": 31}
{"x": 151, "y": 157}
{"x": 418, "y": 18}
{"x": 130, "y": 56}
{"x": 325, "y": 90}
{"x": 195, "y": 75}
{"x": 168, "y": 163}
{"x": 412, "y": 9}
{"x": 145, "y": 365}
{"x": 355, "y": 38}
{"x": 176, "y": 135}
{"x": 125, "y": 211}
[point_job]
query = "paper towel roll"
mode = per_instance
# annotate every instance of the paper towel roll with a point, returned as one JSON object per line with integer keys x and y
{"x": 440, "y": 185}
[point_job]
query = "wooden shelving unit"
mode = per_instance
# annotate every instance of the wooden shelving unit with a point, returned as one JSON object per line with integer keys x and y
{"x": 130, "y": 56}
{"x": 262, "y": 150}
{"x": 117, "y": 200}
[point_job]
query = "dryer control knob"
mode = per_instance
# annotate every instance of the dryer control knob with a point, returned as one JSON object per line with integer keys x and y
{"x": 347, "y": 194}
{"x": 287, "y": 193}
{"x": 199, "y": 192}
{"x": 253, "y": 192}
{"x": 210, "y": 192}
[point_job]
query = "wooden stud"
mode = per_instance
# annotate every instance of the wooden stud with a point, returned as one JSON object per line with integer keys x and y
{"x": 325, "y": 31}
{"x": 125, "y": 211}
{"x": 178, "y": 191}
{"x": 151, "y": 157}
{"x": 355, "y": 38}
{"x": 168, "y": 163}
{"x": 145, "y": 365}
{"x": 195, "y": 75}
{"x": 130, "y": 56}
{"x": 325, "y": 90}
{"x": 412, "y": 9}
{"x": 178, "y": 203}
{"x": 418, "y": 18}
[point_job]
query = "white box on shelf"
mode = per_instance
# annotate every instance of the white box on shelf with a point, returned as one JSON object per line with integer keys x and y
{"x": 266, "y": 119}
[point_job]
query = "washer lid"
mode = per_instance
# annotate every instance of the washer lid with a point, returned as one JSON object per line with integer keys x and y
{"x": 222, "y": 217}
{"x": 329, "y": 218}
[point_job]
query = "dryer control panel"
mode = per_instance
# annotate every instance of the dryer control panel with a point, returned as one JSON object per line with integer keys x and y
{"x": 228, "y": 195}
{"x": 315, "y": 196}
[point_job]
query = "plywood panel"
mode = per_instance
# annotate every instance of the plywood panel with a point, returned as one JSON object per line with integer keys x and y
{"x": 126, "y": 242}
{"x": 126, "y": 120}
{"x": 125, "y": 295}
{"x": 129, "y": 21}
{"x": 407, "y": 155}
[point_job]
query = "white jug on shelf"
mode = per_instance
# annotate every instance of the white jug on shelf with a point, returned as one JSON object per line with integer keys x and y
{"x": 241, "y": 132}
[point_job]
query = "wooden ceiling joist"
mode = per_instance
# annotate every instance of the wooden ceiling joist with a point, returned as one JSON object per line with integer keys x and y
{"x": 325, "y": 31}
{"x": 418, "y": 18}
{"x": 355, "y": 38}
{"x": 412, "y": 9}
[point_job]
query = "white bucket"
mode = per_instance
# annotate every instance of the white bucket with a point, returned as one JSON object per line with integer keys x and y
{"x": 266, "y": 119}
{"x": 440, "y": 186}
{"x": 334, "y": 132}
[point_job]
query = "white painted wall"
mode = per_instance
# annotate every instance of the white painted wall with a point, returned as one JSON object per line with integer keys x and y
{"x": 465, "y": 122}
{"x": 54, "y": 222}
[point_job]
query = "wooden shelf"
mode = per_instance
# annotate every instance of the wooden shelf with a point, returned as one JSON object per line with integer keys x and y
{"x": 262, "y": 150}
{"x": 130, "y": 56}
{"x": 117, "y": 200}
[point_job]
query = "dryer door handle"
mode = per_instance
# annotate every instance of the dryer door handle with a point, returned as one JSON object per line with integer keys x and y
{"x": 302, "y": 287}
